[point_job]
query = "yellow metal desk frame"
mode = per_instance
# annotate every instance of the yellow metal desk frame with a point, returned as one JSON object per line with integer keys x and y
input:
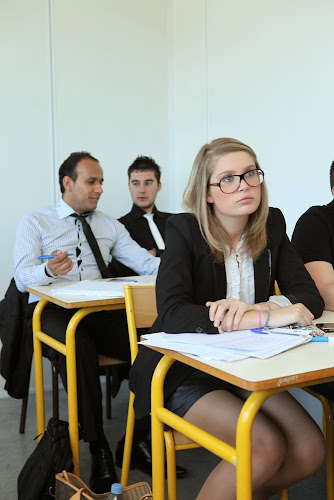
{"x": 68, "y": 349}
{"x": 303, "y": 366}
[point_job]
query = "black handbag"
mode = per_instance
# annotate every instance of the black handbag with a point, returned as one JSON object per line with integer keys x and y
{"x": 52, "y": 455}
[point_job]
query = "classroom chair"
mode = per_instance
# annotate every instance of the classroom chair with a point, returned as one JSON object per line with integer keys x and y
{"x": 141, "y": 311}
{"x": 109, "y": 366}
{"x": 140, "y": 303}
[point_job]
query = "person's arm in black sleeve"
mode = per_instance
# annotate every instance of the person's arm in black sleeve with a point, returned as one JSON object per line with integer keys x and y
{"x": 176, "y": 305}
{"x": 313, "y": 241}
{"x": 293, "y": 279}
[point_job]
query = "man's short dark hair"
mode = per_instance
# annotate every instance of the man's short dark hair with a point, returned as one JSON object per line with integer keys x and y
{"x": 331, "y": 175}
{"x": 69, "y": 166}
{"x": 144, "y": 163}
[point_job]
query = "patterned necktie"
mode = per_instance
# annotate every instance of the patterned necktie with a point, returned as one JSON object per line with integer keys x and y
{"x": 105, "y": 273}
{"x": 155, "y": 231}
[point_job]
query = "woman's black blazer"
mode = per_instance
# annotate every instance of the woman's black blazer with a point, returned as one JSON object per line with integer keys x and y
{"x": 188, "y": 278}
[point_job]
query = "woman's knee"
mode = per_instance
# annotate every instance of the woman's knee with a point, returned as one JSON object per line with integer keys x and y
{"x": 310, "y": 452}
{"x": 269, "y": 451}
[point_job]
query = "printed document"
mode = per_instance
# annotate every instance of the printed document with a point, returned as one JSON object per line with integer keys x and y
{"x": 226, "y": 346}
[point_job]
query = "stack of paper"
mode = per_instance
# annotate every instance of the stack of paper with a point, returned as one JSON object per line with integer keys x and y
{"x": 227, "y": 346}
{"x": 105, "y": 289}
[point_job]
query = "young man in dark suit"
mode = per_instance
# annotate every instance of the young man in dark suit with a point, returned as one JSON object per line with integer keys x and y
{"x": 146, "y": 225}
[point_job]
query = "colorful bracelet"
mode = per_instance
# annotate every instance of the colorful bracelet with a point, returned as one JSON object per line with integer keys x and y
{"x": 266, "y": 324}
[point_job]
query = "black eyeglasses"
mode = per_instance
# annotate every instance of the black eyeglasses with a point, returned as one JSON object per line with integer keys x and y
{"x": 231, "y": 183}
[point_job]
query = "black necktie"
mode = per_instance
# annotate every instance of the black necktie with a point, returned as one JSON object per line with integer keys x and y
{"x": 105, "y": 273}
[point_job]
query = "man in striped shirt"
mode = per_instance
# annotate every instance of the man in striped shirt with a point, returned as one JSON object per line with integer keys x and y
{"x": 56, "y": 230}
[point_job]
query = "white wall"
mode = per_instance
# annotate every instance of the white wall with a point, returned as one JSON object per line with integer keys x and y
{"x": 78, "y": 75}
{"x": 24, "y": 122}
{"x": 122, "y": 78}
{"x": 111, "y": 87}
{"x": 161, "y": 78}
{"x": 258, "y": 71}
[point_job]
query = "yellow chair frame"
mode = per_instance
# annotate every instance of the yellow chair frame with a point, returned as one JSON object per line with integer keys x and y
{"x": 140, "y": 303}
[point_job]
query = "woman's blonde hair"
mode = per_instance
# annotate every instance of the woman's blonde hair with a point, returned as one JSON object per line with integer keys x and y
{"x": 195, "y": 201}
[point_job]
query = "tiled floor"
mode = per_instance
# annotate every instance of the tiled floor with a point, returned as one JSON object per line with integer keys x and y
{"x": 15, "y": 449}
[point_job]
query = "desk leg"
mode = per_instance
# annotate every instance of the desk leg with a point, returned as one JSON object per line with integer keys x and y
{"x": 329, "y": 436}
{"x": 158, "y": 449}
{"x": 244, "y": 442}
{"x": 71, "y": 370}
{"x": 69, "y": 351}
{"x": 39, "y": 382}
{"x": 72, "y": 397}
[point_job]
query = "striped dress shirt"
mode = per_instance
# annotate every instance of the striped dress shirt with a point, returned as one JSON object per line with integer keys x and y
{"x": 45, "y": 230}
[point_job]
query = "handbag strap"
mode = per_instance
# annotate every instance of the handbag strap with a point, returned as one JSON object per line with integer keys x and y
{"x": 77, "y": 495}
{"x": 66, "y": 476}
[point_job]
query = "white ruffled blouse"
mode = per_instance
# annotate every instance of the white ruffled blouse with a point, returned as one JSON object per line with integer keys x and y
{"x": 240, "y": 278}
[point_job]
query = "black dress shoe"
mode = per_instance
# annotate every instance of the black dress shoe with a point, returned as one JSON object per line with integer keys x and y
{"x": 141, "y": 458}
{"x": 103, "y": 473}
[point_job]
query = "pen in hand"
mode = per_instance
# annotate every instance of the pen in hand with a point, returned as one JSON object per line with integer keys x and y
{"x": 42, "y": 257}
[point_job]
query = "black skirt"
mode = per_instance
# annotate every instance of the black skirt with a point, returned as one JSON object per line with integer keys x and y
{"x": 326, "y": 389}
{"x": 192, "y": 389}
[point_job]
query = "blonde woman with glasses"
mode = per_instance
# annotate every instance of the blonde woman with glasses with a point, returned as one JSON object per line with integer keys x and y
{"x": 217, "y": 274}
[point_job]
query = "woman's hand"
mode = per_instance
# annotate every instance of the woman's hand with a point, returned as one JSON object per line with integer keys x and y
{"x": 228, "y": 312}
{"x": 296, "y": 314}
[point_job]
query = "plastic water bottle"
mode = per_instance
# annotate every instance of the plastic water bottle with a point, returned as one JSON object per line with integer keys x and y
{"x": 116, "y": 492}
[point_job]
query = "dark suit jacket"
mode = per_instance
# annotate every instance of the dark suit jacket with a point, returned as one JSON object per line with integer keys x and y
{"x": 188, "y": 278}
{"x": 16, "y": 337}
{"x": 139, "y": 230}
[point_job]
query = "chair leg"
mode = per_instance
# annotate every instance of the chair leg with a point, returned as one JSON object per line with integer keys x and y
{"x": 130, "y": 425}
{"x": 55, "y": 394}
{"x": 23, "y": 414}
{"x": 108, "y": 392}
{"x": 171, "y": 464}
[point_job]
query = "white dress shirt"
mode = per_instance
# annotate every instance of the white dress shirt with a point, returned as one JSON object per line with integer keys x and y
{"x": 240, "y": 278}
{"x": 45, "y": 230}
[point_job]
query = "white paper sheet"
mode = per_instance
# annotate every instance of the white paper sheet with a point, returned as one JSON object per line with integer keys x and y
{"x": 112, "y": 288}
{"x": 227, "y": 346}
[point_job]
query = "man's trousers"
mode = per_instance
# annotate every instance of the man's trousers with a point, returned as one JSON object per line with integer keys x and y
{"x": 103, "y": 332}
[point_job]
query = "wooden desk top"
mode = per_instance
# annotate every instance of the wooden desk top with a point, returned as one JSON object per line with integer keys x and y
{"x": 76, "y": 301}
{"x": 311, "y": 362}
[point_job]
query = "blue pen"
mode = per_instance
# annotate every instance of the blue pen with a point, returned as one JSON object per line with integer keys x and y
{"x": 322, "y": 339}
{"x": 42, "y": 257}
{"x": 258, "y": 330}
